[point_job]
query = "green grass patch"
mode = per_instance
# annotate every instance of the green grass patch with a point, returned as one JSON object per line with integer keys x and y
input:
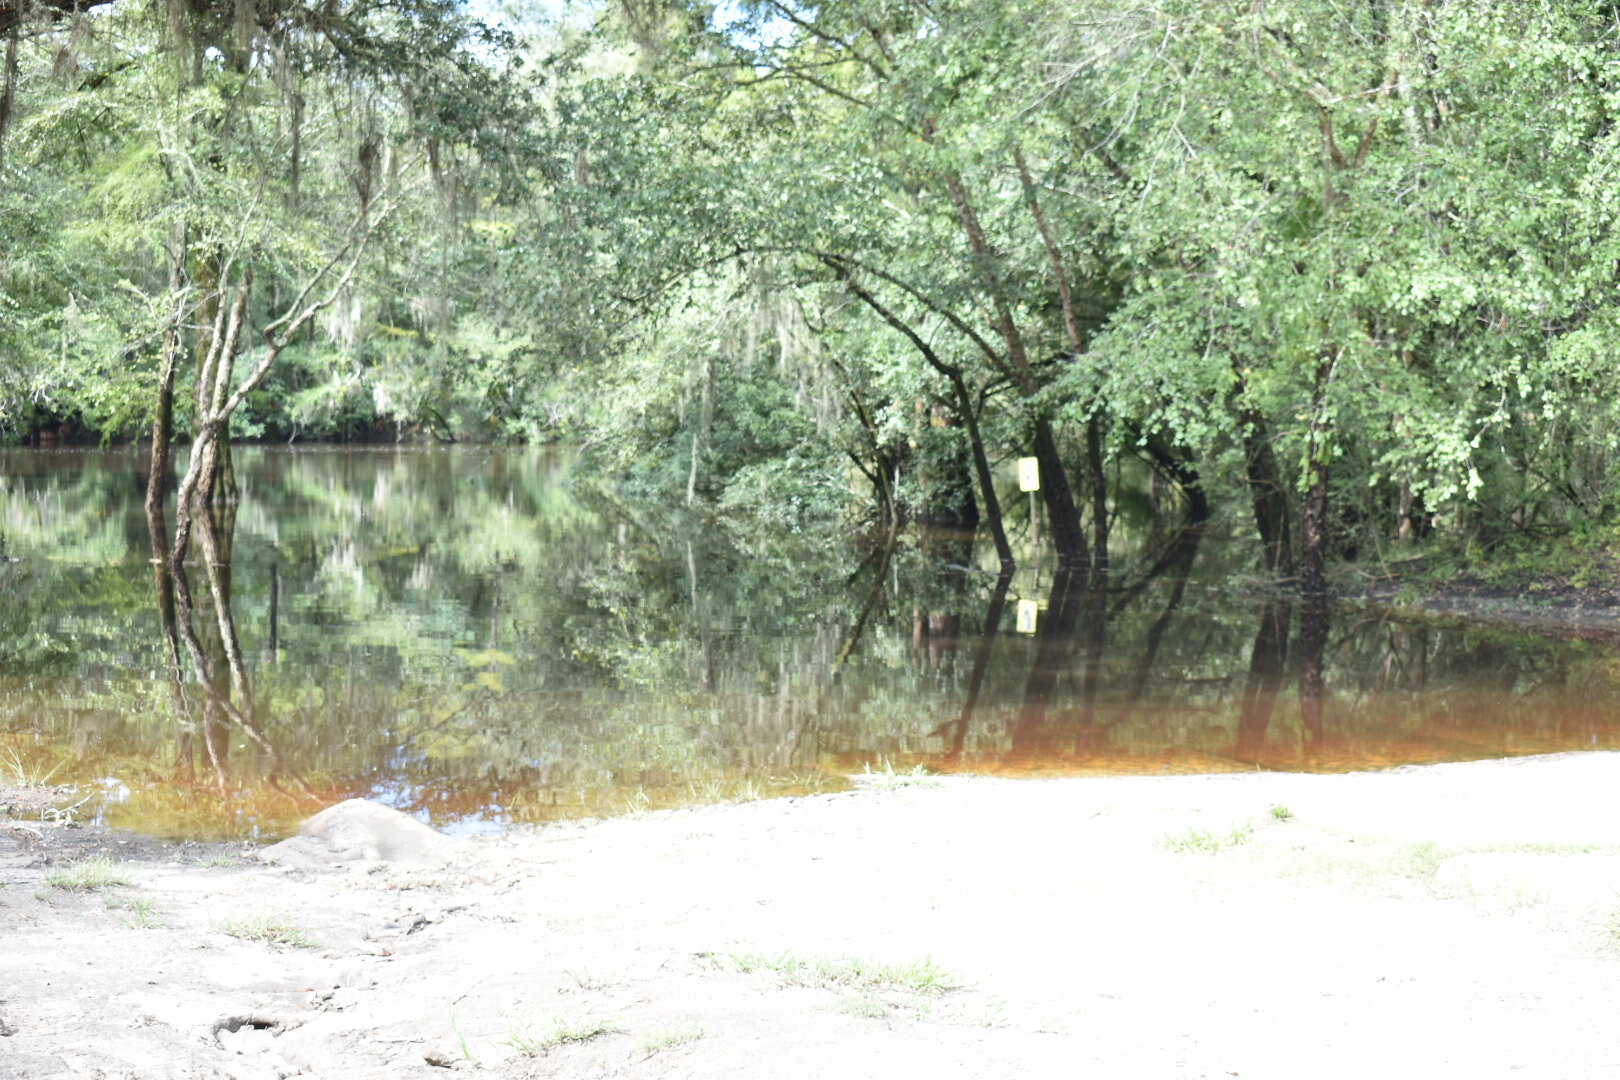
{"x": 670, "y": 1038}
{"x": 532, "y": 1044}
{"x": 270, "y": 929}
{"x": 584, "y": 980}
{"x": 918, "y": 977}
{"x": 1207, "y": 842}
{"x": 141, "y": 913}
{"x": 97, "y": 872}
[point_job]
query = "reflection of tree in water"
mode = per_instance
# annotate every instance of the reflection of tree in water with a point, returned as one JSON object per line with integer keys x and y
{"x": 982, "y": 648}
{"x": 1313, "y": 635}
{"x": 1078, "y": 618}
{"x": 1267, "y": 662}
{"x": 528, "y": 651}
{"x": 219, "y": 694}
{"x": 1032, "y": 736}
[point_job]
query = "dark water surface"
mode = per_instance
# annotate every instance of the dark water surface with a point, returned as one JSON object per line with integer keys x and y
{"x": 479, "y": 638}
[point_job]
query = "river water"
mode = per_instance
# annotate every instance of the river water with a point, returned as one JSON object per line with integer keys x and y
{"x": 481, "y": 637}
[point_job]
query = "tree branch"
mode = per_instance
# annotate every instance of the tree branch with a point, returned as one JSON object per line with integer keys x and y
{"x": 11, "y": 11}
{"x": 928, "y": 302}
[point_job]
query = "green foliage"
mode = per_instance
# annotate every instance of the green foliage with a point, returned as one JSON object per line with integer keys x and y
{"x": 781, "y": 262}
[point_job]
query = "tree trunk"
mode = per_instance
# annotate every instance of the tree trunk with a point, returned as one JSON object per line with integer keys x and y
{"x": 1313, "y": 517}
{"x": 987, "y": 483}
{"x": 157, "y": 480}
{"x": 1182, "y": 472}
{"x": 1095, "y": 475}
{"x": 964, "y": 402}
{"x": 1067, "y": 535}
{"x": 8, "y": 92}
{"x": 1313, "y": 532}
{"x": 1097, "y": 478}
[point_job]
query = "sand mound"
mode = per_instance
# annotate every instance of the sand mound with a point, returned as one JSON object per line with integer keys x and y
{"x": 359, "y": 831}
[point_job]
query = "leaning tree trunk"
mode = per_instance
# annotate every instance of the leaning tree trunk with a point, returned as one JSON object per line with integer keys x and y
{"x": 964, "y": 402}
{"x": 157, "y": 479}
{"x": 1095, "y": 475}
{"x": 217, "y": 401}
{"x": 987, "y": 483}
{"x": 1062, "y": 512}
{"x": 1063, "y": 515}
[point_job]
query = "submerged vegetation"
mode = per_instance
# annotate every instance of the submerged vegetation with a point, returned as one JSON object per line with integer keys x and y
{"x": 1352, "y": 269}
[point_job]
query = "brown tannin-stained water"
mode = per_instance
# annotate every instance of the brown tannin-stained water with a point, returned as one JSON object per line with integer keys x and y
{"x": 473, "y": 636}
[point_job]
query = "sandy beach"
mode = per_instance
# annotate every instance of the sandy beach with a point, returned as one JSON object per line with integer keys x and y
{"x": 1441, "y": 921}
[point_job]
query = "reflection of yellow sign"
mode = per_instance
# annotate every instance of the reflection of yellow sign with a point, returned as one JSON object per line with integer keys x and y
{"x": 1029, "y": 474}
{"x": 1027, "y": 611}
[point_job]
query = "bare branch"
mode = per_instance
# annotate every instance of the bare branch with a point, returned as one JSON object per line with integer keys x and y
{"x": 931, "y": 304}
{"x": 1054, "y": 254}
{"x": 891, "y": 318}
{"x": 831, "y": 39}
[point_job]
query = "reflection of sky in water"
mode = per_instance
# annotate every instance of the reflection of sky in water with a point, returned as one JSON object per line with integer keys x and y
{"x": 470, "y": 637}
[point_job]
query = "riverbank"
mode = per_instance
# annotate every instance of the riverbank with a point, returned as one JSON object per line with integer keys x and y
{"x": 1456, "y": 920}
{"x": 1566, "y": 587}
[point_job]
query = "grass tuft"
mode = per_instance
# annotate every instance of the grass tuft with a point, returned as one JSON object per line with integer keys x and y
{"x": 655, "y": 1041}
{"x": 561, "y": 1031}
{"x": 97, "y": 872}
{"x": 918, "y": 977}
{"x": 27, "y": 773}
{"x": 143, "y": 913}
{"x": 270, "y": 929}
{"x": 1203, "y": 841}
{"x": 1279, "y": 812}
{"x": 886, "y": 779}
{"x": 584, "y": 980}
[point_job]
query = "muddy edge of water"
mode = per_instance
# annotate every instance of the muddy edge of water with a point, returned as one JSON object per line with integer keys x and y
{"x": 38, "y": 820}
{"x": 1553, "y": 608}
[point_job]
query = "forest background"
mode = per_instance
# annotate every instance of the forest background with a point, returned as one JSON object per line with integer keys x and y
{"x": 1352, "y": 269}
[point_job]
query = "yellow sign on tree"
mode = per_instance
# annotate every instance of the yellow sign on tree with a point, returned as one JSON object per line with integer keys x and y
{"x": 1027, "y": 613}
{"x": 1029, "y": 474}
